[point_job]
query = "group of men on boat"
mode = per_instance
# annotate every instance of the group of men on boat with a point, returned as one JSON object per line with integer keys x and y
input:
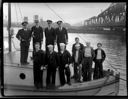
{"x": 82, "y": 56}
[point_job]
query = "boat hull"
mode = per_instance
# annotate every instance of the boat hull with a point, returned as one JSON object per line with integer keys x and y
{"x": 15, "y": 85}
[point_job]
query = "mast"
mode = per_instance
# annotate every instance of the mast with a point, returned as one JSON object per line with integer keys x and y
{"x": 9, "y": 26}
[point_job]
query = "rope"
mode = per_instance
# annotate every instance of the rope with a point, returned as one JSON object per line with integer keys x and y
{"x": 16, "y": 14}
{"x": 105, "y": 81}
{"x": 115, "y": 70}
{"x": 20, "y": 11}
{"x": 54, "y": 11}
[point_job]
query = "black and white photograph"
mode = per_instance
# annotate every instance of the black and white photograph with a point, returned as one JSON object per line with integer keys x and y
{"x": 64, "y": 49}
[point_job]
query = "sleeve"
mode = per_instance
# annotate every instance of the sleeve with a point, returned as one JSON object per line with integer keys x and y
{"x": 93, "y": 53}
{"x": 18, "y": 35}
{"x": 57, "y": 59}
{"x": 41, "y": 31}
{"x": 104, "y": 54}
{"x": 66, "y": 35}
{"x": 70, "y": 58}
{"x": 46, "y": 59}
{"x": 73, "y": 48}
{"x": 55, "y": 36}
{"x": 82, "y": 47}
{"x": 30, "y": 36}
{"x": 81, "y": 57}
{"x": 45, "y": 32}
{"x": 43, "y": 58}
{"x": 32, "y": 31}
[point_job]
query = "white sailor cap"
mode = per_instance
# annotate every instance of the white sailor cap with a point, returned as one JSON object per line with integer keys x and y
{"x": 77, "y": 45}
{"x": 50, "y": 45}
{"x": 62, "y": 44}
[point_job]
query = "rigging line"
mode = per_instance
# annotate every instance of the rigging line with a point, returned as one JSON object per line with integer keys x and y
{"x": 54, "y": 11}
{"x": 16, "y": 14}
{"x": 20, "y": 11}
{"x": 59, "y": 16}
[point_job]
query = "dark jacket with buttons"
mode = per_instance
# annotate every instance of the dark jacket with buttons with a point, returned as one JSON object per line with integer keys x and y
{"x": 80, "y": 56}
{"x": 74, "y": 49}
{"x": 24, "y": 36}
{"x": 50, "y": 35}
{"x": 52, "y": 60}
{"x": 103, "y": 55}
{"x": 39, "y": 59}
{"x": 62, "y": 36}
{"x": 64, "y": 58}
{"x": 37, "y": 33}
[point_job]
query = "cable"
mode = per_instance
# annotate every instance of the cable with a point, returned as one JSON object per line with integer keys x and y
{"x": 20, "y": 11}
{"x": 16, "y": 14}
{"x": 53, "y": 11}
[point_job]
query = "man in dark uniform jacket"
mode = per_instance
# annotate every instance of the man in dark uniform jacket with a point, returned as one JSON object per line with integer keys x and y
{"x": 37, "y": 32}
{"x": 77, "y": 57}
{"x": 99, "y": 59}
{"x": 50, "y": 36}
{"x": 52, "y": 62}
{"x": 65, "y": 61}
{"x": 39, "y": 62}
{"x": 77, "y": 42}
{"x": 62, "y": 35}
{"x": 24, "y": 35}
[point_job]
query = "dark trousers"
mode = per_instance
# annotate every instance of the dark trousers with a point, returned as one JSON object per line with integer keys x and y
{"x": 77, "y": 72}
{"x": 24, "y": 53}
{"x": 87, "y": 69}
{"x": 62, "y": 73}
{"x": 51, "y": 76}
{"x": 58, "y": 45}
{"x": 34, "y": 42}
{"x": 98, "y": 70}
{"x": 38, "y": 76}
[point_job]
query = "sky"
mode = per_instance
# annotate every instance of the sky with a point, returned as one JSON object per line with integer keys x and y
{"x": 71, "y": 13}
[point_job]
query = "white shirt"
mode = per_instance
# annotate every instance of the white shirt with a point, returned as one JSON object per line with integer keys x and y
{"x": 61, "y": 52}
{"x": 60, "y": 28}
{"x": 76, "y": 56}
{"x": 88, "y": 52}
{"x": 99, "y": 54}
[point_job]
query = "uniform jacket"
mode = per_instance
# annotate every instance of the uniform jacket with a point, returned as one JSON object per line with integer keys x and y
{"x": 37, "y": 33}
{"x": 80, "y": 56}
{"x": 39, "y": 58}
{"x": 62, "y": 36}
{"x": 52, "y": 60}
{"x": 81, "y": 47}
{"x": 103, "y": 55}
{"x": 64, "y": 58}
{"x": 50, "y": 35}
{"x": 25, "y": 36}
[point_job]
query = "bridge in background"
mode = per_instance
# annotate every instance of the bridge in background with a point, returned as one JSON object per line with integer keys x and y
{"x": 113, "y": 18}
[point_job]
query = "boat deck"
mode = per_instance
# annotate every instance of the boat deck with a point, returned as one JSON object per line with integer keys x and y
{"x": 16, "y": 85}
{"x": 13, "y": 58}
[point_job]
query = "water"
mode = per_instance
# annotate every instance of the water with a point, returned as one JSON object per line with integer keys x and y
{"x": 113, "y": 45}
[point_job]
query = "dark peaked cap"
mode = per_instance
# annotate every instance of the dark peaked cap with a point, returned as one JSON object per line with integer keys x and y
{"x": 25, "y": 22}
{"x": 49, "y": 21}
{"x": 59, "y": 22}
